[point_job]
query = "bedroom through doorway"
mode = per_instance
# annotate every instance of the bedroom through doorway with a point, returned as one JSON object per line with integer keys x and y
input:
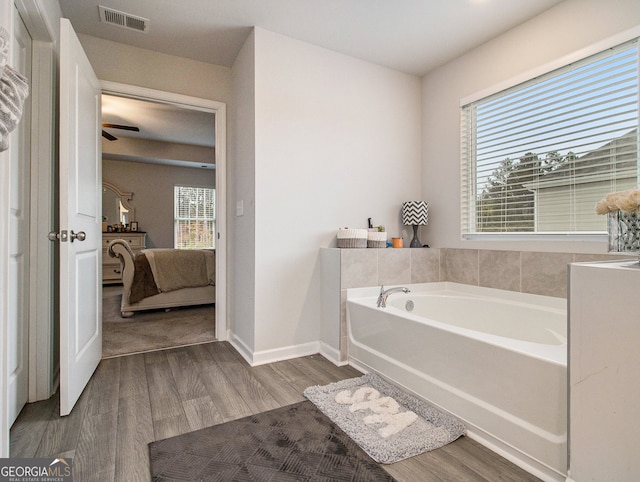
{"x": 151, "y": 146}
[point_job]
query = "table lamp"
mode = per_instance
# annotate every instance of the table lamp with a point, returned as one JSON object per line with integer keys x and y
{"x": 415, "y": 213}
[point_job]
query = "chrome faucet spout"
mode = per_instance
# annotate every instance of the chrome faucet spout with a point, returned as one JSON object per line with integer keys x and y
{"x": 384, "y": 294}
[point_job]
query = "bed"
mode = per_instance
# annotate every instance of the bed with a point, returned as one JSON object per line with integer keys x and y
{"x": 164, "y": 278}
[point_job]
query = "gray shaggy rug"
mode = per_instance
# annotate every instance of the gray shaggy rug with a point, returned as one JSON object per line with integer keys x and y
{"x": 297, "y": 443}
{"x": 389, "y": 424}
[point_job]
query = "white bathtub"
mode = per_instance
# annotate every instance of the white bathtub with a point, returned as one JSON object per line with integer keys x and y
{"x": 495, "y": 359}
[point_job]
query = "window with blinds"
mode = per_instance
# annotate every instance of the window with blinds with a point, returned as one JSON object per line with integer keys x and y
{"x": 537, "y": 157}
{"x": 194, "y": 217}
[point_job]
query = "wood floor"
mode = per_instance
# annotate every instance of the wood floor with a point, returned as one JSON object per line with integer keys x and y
{"x": 133, "y": 400}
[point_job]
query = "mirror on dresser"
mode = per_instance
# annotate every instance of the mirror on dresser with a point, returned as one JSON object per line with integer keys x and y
{"x": 118, "y": 214}
{"x": 116, "y": 206}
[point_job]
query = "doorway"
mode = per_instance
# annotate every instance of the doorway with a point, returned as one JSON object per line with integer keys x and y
{"x": 154, "y": 155}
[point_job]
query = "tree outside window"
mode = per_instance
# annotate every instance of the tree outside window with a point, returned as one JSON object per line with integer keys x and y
{"x": 194, "y": 217}
{"x": 537, "y": 157}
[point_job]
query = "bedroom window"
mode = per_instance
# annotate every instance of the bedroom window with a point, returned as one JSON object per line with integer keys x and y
{"x": 537, "y": 157}
{"x": 194, "y": 217}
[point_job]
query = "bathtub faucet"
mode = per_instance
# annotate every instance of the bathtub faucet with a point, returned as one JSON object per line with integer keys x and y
{"x": 384, "y": 294}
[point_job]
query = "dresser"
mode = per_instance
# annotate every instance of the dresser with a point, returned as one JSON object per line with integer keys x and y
{"x": 111, "y": 273}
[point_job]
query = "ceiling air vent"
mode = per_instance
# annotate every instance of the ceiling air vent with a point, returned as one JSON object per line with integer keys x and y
{"x": 121, "y": 19}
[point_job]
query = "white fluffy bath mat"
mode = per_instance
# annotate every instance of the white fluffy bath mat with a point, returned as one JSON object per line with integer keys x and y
{"x": 389, "y": 424}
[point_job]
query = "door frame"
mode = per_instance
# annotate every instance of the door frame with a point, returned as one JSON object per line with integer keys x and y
{"x": 22, "y": 220}
{"x": 42, "y": 313}
{"x": 220, "y": 111}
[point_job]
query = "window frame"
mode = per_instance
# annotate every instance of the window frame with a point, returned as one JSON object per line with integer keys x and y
{"x": 468, "y": 176}
{"x": 176, "y": 219}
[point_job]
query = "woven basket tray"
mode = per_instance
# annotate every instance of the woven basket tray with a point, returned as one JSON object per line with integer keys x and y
{"x": 352, "y": 243}
{"x": 352, "y": 238}
{"x": 376, "y": 239}
{"x": 376, "y": 244}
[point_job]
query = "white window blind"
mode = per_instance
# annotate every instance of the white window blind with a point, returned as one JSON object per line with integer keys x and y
{"x": 194, "y": 217}
{"x": 539, "y": 156}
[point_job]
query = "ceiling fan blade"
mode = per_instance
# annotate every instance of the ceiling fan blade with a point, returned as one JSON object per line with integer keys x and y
{"x": 118, "y": 126}
{"x": 108, "y": 136}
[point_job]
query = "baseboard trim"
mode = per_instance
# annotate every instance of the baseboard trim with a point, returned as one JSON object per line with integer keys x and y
{"x": 285, "y": 353}
{"x": 331, "y": 354}
{"x": 240, "y": 346}
{"x": 255, "y": 358}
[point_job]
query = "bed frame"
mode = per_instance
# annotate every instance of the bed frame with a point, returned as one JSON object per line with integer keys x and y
{"x": 201, "y": 295}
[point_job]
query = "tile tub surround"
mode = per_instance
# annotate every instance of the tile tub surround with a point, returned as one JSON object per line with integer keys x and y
{"x": 388, "y": 266}
{"x": 541, "y": 273}
{"x": 534, "y": 272}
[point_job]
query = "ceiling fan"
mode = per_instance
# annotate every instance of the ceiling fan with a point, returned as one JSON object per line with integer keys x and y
{"x": 111, "y": 137}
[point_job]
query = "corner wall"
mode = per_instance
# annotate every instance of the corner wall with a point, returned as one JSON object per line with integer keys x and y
{"x": 241, "y": 249}
{"x": 337, "y": 140}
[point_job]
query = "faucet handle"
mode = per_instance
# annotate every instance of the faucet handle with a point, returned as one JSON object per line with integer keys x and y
{"x": 380, "y": 301}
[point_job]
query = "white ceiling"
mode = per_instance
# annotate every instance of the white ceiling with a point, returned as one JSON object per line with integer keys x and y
{"x": 158, "y": 122}
{"x": 411, "y": 36}
{"x": 190, "y": 133}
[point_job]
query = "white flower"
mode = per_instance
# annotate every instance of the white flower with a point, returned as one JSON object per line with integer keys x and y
{"x": 627, "y": 201}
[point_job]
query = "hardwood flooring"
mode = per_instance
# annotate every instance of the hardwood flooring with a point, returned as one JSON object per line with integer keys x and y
{"x": 133, "y": 400}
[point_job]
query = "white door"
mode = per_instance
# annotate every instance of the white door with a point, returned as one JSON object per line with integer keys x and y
{"x": 80, "y": 220}
{"x": 18, "y": 285}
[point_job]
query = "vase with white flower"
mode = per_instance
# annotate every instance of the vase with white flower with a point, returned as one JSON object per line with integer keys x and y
{"x": 623, "y": 219}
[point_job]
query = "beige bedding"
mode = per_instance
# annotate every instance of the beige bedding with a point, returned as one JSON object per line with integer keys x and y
{"x": 174, "y": 269}
{"x": 162, "y": 270}
{"x": 179, "y": 288}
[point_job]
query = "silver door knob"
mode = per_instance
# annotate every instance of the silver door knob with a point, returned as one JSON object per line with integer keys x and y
{"x": 80, "y": 236}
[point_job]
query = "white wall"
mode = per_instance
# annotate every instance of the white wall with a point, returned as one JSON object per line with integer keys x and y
{"x": 152, "y": 187}
{"x": 241, "y": 186}
{"x": 563, "y": 30}
{"x": 122, "y": 63}
{"x": 337, "y": 140}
